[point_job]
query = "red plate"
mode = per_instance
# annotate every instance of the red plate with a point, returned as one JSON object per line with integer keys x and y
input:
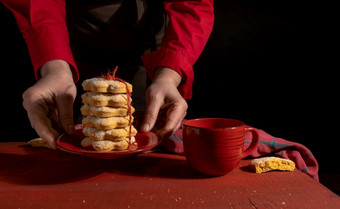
{"x": 71, "y": 144}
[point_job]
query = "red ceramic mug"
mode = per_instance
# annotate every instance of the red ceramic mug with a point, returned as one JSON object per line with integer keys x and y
{"x": 214, "y": 146}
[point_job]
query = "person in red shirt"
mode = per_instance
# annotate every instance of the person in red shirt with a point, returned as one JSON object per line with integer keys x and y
{"x": 48, "y": 25}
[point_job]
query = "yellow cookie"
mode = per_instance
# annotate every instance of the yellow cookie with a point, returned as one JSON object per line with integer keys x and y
{"x": 105, "y": 123}
{"x": 86, "y": 143}
{"x": 106, "y": 145}
{"x": 39, "y": 142}
{"x": 103, "y": 85}
{"x": 104, "y": 99}
{"x": 265, "y": 164}
{"x": 116, "y": 134}
{"x": 105, "y": 112}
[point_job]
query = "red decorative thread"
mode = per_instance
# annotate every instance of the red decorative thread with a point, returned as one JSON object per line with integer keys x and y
{"x": 112, "y": 76}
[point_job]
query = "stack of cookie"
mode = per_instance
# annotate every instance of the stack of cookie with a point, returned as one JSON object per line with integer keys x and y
{"x": 107, "y": 114}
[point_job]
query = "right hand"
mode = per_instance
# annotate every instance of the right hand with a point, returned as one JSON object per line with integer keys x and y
{"x": 163, "y": 97}
{"x": 49, "y": 102}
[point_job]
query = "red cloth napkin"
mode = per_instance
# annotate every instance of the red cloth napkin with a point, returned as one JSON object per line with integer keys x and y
{"x": 268, "y": 146}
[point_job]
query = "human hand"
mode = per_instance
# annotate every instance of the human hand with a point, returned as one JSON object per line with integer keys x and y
{"x": 163, "y": 96}
{"x": 49, "y": 102}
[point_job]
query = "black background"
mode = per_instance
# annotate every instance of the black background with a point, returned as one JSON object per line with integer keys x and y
{"x": 268, "y": 63}
{"x": 271, "y": 64}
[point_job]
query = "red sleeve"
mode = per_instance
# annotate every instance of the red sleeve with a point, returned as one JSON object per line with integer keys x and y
{"x": 43, "y": 25}
{"x": 190, "y": 25}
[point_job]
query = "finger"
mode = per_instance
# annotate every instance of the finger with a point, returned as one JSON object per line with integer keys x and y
{"x": 37, "y": 111}
{"x": 151, "y": 113}
{"x": 175, "y": 115}
{"x": 47, "y": 133}
{"x": 179, "y": 125}
{"x": 65, "y": 112}
{"x": 42, "y": 125}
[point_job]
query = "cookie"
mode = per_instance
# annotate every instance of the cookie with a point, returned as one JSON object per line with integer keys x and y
{"x": 105, "y": 123}
{"x": 108, "y": 113}
{"x": 104, "y": 99}
{"x": 116, "y": 134}
{"x": 105, "y": 112}
{"x": 39, "y": 142}
{"x": 106, "y": 145}
{"x": 103, "y": 85}
{"x": 272, "y": 163}
{"x": 86, "y": 143}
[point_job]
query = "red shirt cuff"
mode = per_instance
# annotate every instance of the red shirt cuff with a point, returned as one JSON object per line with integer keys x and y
{"x": 44, "y": 45}
{"x": 177, "y": 61}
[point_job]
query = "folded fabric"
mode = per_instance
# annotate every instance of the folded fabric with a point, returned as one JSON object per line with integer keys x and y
{"x": 268, "y": 146}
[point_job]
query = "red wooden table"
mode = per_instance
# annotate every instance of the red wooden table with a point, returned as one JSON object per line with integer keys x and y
{"x": 43, "y": 178}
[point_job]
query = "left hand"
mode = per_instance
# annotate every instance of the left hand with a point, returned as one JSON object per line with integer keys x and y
{"x": 163, "y": 95}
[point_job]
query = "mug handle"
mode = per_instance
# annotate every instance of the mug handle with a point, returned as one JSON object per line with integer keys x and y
{"x": 254, "y": 141}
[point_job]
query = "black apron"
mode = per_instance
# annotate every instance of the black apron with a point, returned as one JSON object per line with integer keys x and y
{"x": 109, "y": 33}
{"x": 114, "y": 32}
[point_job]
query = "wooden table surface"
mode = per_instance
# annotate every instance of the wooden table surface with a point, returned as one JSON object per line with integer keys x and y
{"x": 43, "y": 178}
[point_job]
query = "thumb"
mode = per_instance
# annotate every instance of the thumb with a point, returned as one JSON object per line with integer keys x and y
{"x": 151, "y": 114}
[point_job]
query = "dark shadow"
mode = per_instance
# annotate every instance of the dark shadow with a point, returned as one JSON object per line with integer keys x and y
{"x": 45, "y": 167}
{"x": 161, "y": 166}
{"x": 247, "y": 168}
{"x": 40, "y": 166}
